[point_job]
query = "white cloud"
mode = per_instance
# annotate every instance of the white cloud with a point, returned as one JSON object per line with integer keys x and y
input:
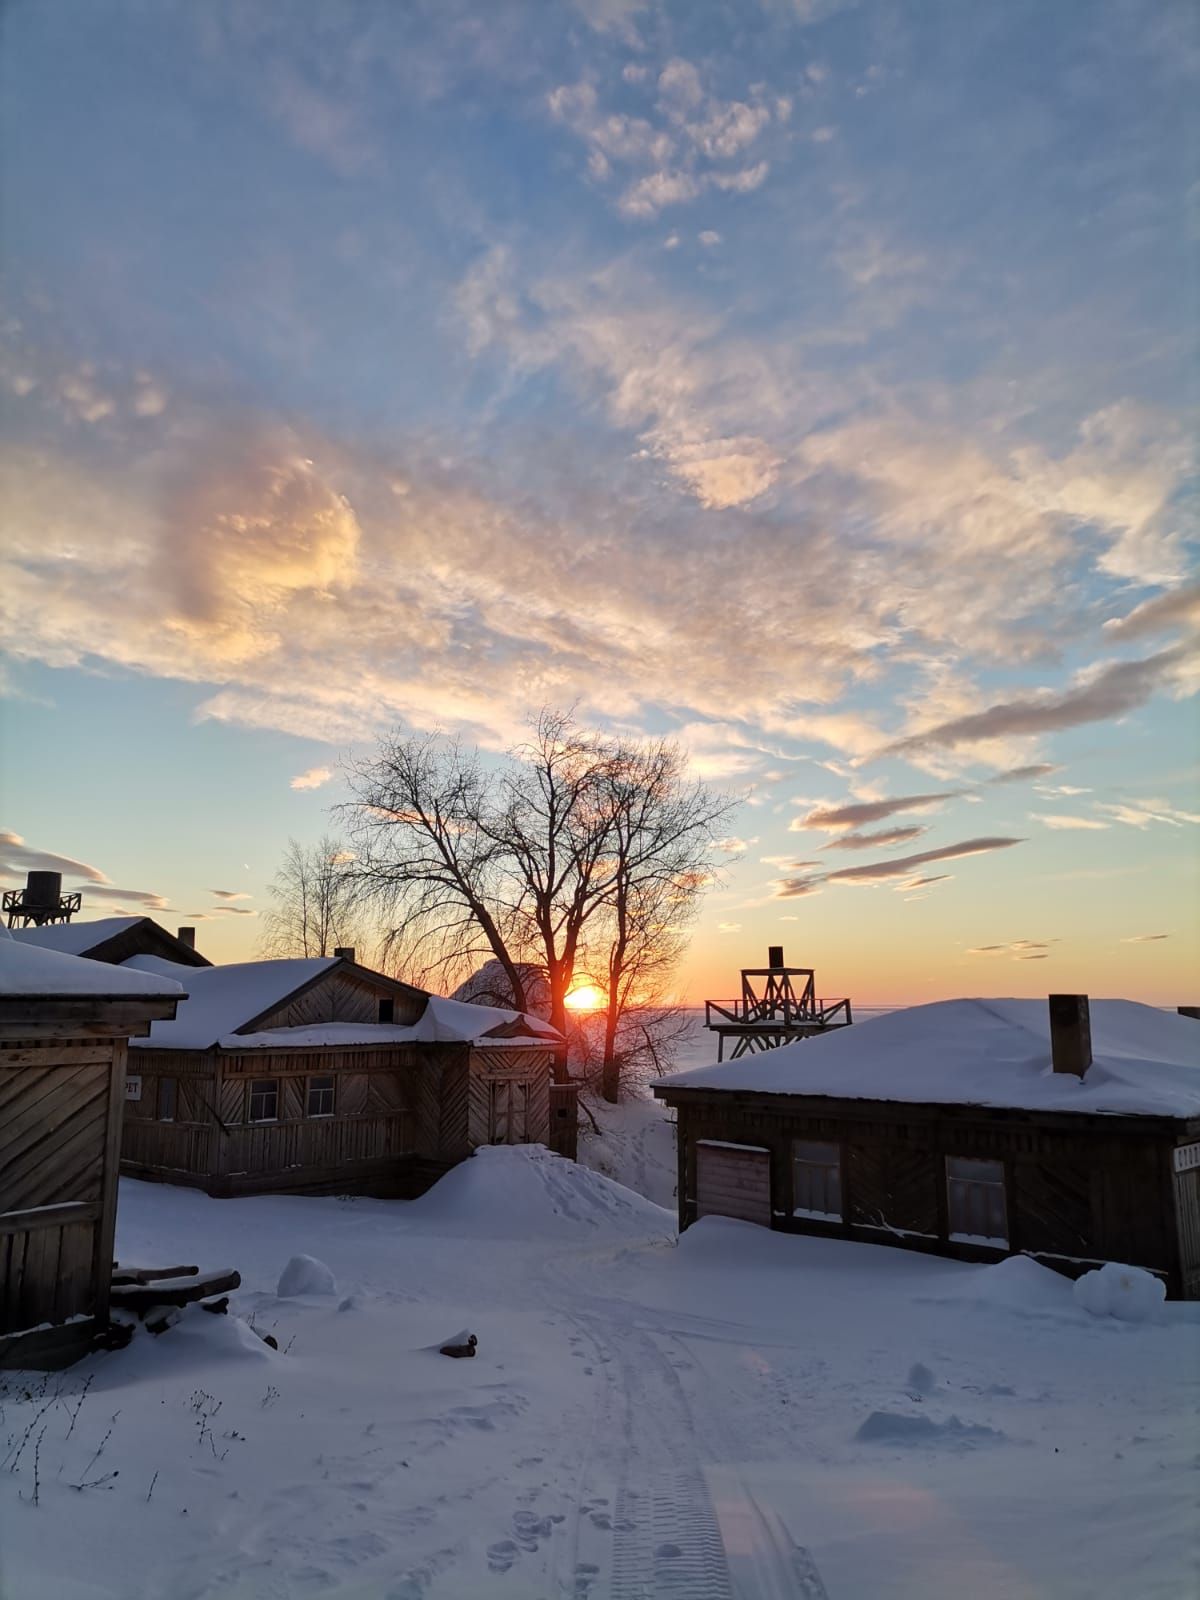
{"x": 1059, "y": 820}
{"x": 677, "y": 150}
{"x": 313, "y": 778}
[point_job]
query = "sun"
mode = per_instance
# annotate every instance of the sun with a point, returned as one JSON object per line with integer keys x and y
{"x": 586, "y": 998}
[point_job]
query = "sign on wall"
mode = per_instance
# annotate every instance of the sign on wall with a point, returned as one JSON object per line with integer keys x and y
{"x": 1187, "y": 1157}
{"x": 133, "y": 1088}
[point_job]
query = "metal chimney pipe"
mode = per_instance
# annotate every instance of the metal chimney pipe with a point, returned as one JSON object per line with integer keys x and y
{"x": 1070, "y": 1034}
{"x": 186, "y": 936}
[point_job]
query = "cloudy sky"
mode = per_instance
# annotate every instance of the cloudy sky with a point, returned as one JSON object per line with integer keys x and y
{"x": 813, "y": 380}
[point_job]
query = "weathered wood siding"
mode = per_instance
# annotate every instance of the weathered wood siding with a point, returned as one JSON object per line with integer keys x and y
{"x": 59, "y": 1121}
{"x": 339, "y": 996}
{"x": 394, "y": 1106}
{"x": 733, "y": 1183}
{"x": 1079, "y": 1190}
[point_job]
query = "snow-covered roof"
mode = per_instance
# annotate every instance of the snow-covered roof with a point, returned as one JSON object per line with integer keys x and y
{"x": 76, "y": 938}
{"x": 442, "y": 1022}
{"x": 223, "y": 999}
{"x": 450, "y": 1021}
{"x": 29, "y": 972}
{"x": 1145, "y": 1062}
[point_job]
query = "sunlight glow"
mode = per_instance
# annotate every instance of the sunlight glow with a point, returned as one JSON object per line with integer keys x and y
{"x": 586, "y": 998}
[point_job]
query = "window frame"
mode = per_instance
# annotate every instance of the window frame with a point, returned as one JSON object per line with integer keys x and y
{"x": 252, "y": 1089}
{"x": 172, "y": 1096}
{"x": 835, "y": 1166}
{"x": 386, "y": 1012}
{"x": 320, "y": 1083}
{"x": 970, "y": 1197}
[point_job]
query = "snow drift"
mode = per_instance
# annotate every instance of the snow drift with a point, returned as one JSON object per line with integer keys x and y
{"x": 526, "y": 1192}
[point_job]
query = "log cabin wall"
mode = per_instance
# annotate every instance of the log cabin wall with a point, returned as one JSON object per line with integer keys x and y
{"x": 1079, "y": 1190}
{"x": 60, "y": 1119}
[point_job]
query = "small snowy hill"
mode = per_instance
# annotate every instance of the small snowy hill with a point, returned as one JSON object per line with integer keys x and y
{"x": 526, "y": 1192}
{"x": 489, "y": 986}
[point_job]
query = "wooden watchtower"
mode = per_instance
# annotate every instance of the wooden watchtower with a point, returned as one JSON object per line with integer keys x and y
{"x": 777, "y": 1004}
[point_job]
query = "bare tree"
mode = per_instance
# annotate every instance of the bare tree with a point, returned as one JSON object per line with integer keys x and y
{"x": 316, "y": 908}
{"x": 662, "y": 827}
{"x": 578, "y": 845}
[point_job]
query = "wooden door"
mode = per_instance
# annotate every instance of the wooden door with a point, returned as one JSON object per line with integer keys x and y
{"x": 733, "y": 1181}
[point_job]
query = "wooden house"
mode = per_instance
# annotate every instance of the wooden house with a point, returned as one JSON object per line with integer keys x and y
{"x": 115, "y": 939}
{"x": 970, "y": 1128}
{"x": 64, "y": 1023}
{"x": 324, "y": 1076}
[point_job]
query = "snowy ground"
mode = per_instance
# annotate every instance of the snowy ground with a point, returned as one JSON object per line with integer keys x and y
{"x": 741, "y": 1415}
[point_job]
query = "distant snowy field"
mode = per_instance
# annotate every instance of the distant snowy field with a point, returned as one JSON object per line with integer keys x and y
{"x": 737, "y": 1416}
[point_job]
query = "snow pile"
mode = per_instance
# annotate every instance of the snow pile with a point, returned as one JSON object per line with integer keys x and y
{"x": 526, "y": 1192}
{"x": 1128, "y": 1293}
{"x": 305, "y": 1275}
{"x": 1017, "y": 1284}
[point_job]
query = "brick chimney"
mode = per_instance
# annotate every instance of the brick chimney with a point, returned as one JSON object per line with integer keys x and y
{"x": 1070, "y": 1033}
{"x": 1189, "y": 1011}
{"x": 345, "y": 951}
{"x": 186, "y": 936}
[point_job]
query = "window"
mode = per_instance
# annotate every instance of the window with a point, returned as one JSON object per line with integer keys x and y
{"x": 387, "y": 1009}
{"x": 975, "y": 1190}
{"x": 166, "y": 1099}
{"x": 320, "y": 1097}
{"x": 816, "y": 1180}
{"x": 264, "y": 1100}
{"x": 509, "y": 1112}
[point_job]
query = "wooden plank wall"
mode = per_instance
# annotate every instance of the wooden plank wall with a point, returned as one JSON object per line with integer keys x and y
{"x": 531, "y": 1067}
{"x": 339, "y": 997}
{"x": 1075, "y": 1197}
{"x": 56, "y": 1132}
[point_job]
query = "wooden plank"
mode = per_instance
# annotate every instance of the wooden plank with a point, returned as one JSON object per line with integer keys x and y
{"x": 33, "y": 1054}
{"x": 76, "y": 1292}
{"x": 90, "y": 1017}
{"x": 39, "y": 1285}
{"x": 733, "y": 1183}
{"x": 107, "y": 1226}
{"x": 52, "y": 1216}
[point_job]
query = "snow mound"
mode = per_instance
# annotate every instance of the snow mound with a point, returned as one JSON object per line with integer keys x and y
{"x": 1016, "y": 1284}
{"x": 305, "y": 1275}
{"x": 893, "y": 1427}
{"x": 526, "y": 1192}
{"x": 1128, "y": 1293}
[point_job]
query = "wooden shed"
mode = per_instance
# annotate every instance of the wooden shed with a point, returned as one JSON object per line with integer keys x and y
{"x": 969, "y": 1128}
{"x": 64, "y": 1023}
{"x": 324, "y": 1076}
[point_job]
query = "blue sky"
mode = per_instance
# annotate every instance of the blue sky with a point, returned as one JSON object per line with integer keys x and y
{"x": 815, "y": 381}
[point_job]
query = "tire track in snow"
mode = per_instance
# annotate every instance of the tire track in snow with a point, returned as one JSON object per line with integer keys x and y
{"x": 668, "y": 1539}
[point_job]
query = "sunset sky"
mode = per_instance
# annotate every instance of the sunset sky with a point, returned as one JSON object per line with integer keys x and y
{"x": 813, "y": 381}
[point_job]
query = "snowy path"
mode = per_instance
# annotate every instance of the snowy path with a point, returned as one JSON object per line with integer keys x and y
{"x": 741, "y": 1416}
